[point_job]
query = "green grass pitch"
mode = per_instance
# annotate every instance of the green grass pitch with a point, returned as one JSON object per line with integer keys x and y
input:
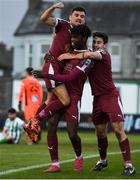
{"x": 29, "y": 162}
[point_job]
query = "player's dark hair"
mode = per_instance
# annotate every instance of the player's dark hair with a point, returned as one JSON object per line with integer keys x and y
{"x": 78, "y": 8}
{"x": 81, "y": 30}
{"x": 101, "y": 35}
{"x": 29, "y": 70}
{"x": 12, "y": 111}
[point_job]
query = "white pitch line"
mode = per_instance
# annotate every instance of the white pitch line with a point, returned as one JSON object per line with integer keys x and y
{"x": 61, "y": 162}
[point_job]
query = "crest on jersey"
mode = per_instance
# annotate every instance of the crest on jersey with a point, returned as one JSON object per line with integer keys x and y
{"x": 87, "y": 62}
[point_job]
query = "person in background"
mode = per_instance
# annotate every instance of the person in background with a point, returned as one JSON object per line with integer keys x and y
{"x": 31, "y": 94}
{"x": 13, "y": 128}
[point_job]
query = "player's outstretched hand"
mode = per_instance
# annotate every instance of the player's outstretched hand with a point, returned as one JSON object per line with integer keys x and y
{"x": 64, "y": 56}
{"x": 59, "y": 5}
{"x": 38, "y": 74}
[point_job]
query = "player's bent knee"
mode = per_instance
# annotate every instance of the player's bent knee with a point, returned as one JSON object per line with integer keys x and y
{"x": 101, "y": 135}
{"x": 73, "y": 136}
{"x": 62, "y": 94}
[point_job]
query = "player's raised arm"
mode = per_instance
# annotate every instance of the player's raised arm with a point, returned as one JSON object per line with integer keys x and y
{"x": 59, "y": 77}
{"x": 47, "y": 15}
{"x": 92, "y": 55}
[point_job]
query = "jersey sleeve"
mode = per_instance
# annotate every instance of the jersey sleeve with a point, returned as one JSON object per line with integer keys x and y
{"x": 19, "y": 130}
{"x": 85, "y": 65}
{"x": 21, "y": 125}
{"x": 40, "y": 93}
{"x": 104, "y": 53}
{"x": 74, "y": 74}
{"x": 6, "y": 126}
{"x": 59, "y": 24}
{"x": 22, "y": 91}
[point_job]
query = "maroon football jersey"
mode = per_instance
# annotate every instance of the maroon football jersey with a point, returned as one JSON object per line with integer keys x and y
{"x": 75, "y": 87}
{"x": 101, "y": 76}
{"x": 62, "y": 38}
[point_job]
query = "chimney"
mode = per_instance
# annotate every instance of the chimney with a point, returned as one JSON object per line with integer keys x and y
{"x": 33, "y": 3}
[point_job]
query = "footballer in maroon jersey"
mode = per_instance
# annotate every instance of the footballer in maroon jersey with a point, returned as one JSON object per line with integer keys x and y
{"x": 107, "y": 105}
{"x": 79, "y": 36}
{"x": 61, "y": 39}
{"x": 60, "y": 44}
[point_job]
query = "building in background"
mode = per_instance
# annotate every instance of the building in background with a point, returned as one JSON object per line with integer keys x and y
{"x": 118, "y": 19}
{"x": 5, "y": 77}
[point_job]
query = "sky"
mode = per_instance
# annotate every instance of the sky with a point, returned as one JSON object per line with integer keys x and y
{"x": 11, "y": 13}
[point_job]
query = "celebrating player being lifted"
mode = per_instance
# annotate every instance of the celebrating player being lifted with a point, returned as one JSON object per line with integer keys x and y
{"x": 60, "y": 44}
{"x": 79, "y": 36}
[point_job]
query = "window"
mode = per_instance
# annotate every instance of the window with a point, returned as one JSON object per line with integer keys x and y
{"x": 43, "y": 49}
{"x": 29, "y": 55}
{"x": 138, "y": 57}
{"x": 1, "y": 72}
{"x": 30, "y": 61}
{"x": 115, "y": 50}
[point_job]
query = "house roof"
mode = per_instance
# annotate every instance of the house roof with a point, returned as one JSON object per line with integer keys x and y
{"x": 116, "y": 18}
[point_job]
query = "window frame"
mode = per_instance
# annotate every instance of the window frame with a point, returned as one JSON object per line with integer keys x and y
{"x": 137, "y": 57}
{"x": 119, "y": 68}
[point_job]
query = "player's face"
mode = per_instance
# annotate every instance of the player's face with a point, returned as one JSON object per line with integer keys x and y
{"x": 77, "y": 42}
{"x": 77, "y": 18}
{"x": 98, "y": 43}
{"x": 11, "y": 116}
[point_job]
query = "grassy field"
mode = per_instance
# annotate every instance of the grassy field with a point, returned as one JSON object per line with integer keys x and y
{"x": 29, "y": 162}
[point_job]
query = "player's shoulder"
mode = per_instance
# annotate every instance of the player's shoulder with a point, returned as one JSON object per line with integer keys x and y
{"x": 36, "y": 81}
{"x": 103, "y": 51}
{"x": 62, "y": 21}
{"x": 24, "y": 80}
{"x": 7, "y": 120}
{"x": 20, "y": 121}
{"x": 105, "y": 54}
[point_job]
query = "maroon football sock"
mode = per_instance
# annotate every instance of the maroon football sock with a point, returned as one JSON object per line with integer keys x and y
{"x": 125, "y": 149}
{"x": 53, "y": 147}
{"x": 50, "y": 109}
{"x": 102, "y": 147}
{"x": 43, "y": 105}
{"x": 76, "y": 143}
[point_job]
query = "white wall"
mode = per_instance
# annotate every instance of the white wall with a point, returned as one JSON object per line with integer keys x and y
{"x": 129, "y": 96}
{"x": 87, "y": 99}
{"x": 21, "y": 54}
{"x": 16, "y": 90}
{"x": 128, "y": 92}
